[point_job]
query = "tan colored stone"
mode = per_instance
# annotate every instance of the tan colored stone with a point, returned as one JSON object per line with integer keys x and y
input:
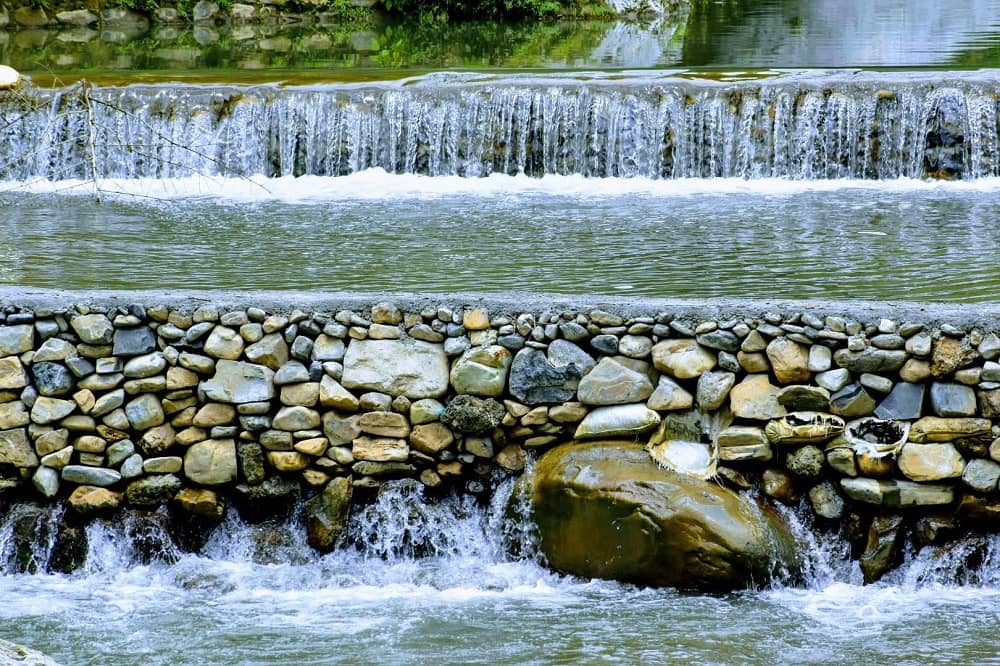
{"x": 930, "y": 462}
{"x": 14, "y": 415}
{"x": 570, "y": 412}
{"x": 181, "y": 378}
{"x": 200, "y": 502}
{"x": 90, "y": 500}
{"x": 288, "y": 461}
{"x": 950, "y": 354}
{"x": 211, "y": 462}
{"x": 333, "y": 394}
{"x": 880, "y": 468}
{"x": 511, "y": 458}
{"x": 476, "y": 319}
{"x": 385, "y": 424}
{"x": 915, "y": 371}
{"x": 789, "y": 360}
{"x": 936, "y": 429}
{"x": 12, "y": 373}
{"x": 753, "y": 362}
{"x": 683, "y": 359}
{"x": 305, "y": 394}
{"x": 90, "y": 444}
{"x": 756, "y": 398}
{"x": 380, "y": 449}
{"x": 314, "y": 446}
{"x": 224, "y": 343}
{"x": 431, "y": 438}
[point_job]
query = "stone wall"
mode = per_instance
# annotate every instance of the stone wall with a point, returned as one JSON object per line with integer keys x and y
{"x": 211, "y": 401}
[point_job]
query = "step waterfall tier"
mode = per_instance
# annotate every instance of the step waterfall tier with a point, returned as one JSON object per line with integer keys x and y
{"x": 798, "y": 125}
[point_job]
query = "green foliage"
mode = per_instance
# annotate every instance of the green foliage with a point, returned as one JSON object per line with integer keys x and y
{"x": 481, "y": 9}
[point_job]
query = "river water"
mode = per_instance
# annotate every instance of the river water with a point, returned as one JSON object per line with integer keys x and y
{"x": 259, "y": 595}
{"x": 904, "y": 240}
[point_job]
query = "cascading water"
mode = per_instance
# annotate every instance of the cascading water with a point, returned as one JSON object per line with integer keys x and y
{"x": 799, "y": 126}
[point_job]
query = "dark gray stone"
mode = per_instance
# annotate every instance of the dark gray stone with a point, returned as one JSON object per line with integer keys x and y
{"x": 905, "y": 402}
{"x": 573, "y": 332}
{"x": 852, "y": 401}
{"x": 535, "y": 381}
{"x": 250, "y": 462}
{"x": 952, "y": 399}
{"x": 721, "y": 340}
{"x": 134, "y": 341}
{"x": 471, "y": 415}
{"x": 152, "y": 491}
{"x": 52, "y": 378}
{"x": 605, "y": 344}
{"x": 273, "y": 498}
{"x": 800, "y": 397}
{"x": 511, "y": 342}
{"x": 79, "y": 366}
{"x": 870, "y": 360}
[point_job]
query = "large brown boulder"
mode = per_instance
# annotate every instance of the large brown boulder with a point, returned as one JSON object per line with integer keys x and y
{"x": 606, "y": 510}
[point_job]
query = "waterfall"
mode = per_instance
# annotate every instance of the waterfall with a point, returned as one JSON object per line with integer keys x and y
{"x": 792, "y": 126}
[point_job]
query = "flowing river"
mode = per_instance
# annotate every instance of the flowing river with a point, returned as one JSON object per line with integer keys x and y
{"x": 260, "y": 595}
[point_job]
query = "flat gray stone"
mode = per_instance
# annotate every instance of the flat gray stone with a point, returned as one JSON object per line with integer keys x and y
{"x": 90, "y": 476}
{"x": 130, "y": 342}
{"x": 611, "y": 383}
{"x": 236, "y": 382}
{"x": 905, "y": 402}
{"x": 16, "y": 339}
{"x": 949, "y": 399}
{"x": 397, "y": 367}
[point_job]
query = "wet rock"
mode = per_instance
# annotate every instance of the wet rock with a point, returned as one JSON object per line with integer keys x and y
{"x": 91, "y": 476}
{"x": 930, "y": 530}
{"x": 713, "y": 389}
{"x": 852, "y": 402}
{"x": 891, "y": 493}
{"x": 669, "y": 396}
{"x": 46, "y": 481}
{"x": 804, "y": 398}
{"x": 841, "y": 459}
{"x": 789, "y": 360}
{"x": 431, "y": 438}
{"x": 738, "y": 443}
{"x": 472, "y": 415}
{"x": 152, "y": 491}
{"x": 980, "y": 512}
{"x": 870, "y": 360}
{"x": 756, "y": 398}
{"x": 683, "y": 359}
{"x": 327, "y": 514}
{"x": 93, "y": 500}
{"x": 612, "y": 383}
{"x": 617, "y": 421}
{"x": 274, "y": 498}
{"x": 482, "y": 371}
{"x": 882, "y": 551}
{"x": 905, "y": 402}
{"x": 16, "y": 449}
{"x": 826, "y": 501}
{"x": 202, "y": 503}
{"x": 981, "y": 475}
{"x": 936, "y": 429}
{"x": 606, "y": 510}
{"x": 534, "y": 380}
{"x": 69, "y": 552}
{"x": 952, "y": 400}
{"x": 211, "y": 462}
{"x": 806, "y": 462}
{"x": 397, "y": 367}
{"x": 930, "y": 462}
{"x": 780, "y": 485}
{"x": 250, "y": 462}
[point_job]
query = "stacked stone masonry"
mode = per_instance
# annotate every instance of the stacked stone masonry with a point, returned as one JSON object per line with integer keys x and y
{"x": 199, "y": 408}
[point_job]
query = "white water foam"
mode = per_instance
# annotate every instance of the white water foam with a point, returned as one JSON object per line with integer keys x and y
{"x": 378, "y": 185}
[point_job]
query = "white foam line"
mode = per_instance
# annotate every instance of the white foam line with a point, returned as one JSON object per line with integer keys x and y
{"x": 376, "y": 184}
